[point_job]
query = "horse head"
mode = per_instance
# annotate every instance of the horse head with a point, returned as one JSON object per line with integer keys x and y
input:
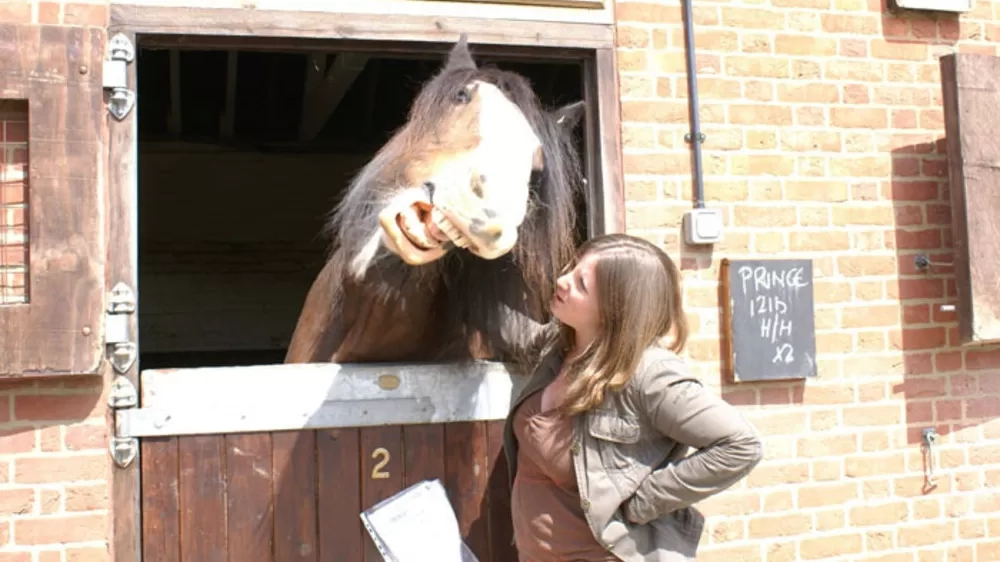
{"x": 462, "y": 174}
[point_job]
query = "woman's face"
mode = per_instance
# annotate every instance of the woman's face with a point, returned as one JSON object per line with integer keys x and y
{"x": 575, "y": 300}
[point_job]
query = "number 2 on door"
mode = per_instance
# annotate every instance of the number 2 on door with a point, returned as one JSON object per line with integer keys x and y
{"x": 377, "y": 473}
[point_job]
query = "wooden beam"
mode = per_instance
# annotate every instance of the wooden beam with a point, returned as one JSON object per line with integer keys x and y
{"x": 605, "y": 182}
{"x": 319, "y": 396}
{"x": 325, "y": 88}
{"x": 313, "y": 26}
{"x": 174, "y": 117}
{"x": 122, "y": 266}
{"x": 970, "y": 84}
{"x": 433, "y": 53}
{"x": 375, "y": 69}
{"x": 389, "y": 13}
{"x": 228, "y": 122}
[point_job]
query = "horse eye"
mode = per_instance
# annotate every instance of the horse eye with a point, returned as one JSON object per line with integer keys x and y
{"x": 462, "y": 96}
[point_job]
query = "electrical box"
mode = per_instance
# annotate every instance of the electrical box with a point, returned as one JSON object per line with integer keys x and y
{"x": 703, "y": 226}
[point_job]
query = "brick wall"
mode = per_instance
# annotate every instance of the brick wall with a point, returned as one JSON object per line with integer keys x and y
{"x": 825, "y": 140}
{"x": 54, "y": 464}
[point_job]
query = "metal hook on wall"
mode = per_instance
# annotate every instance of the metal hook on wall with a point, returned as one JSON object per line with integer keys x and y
{"x": 923, "y": 262}
{"x": 930, "y": 478}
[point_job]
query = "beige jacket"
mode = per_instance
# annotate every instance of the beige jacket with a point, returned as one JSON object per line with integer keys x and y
{"x": 637, "y": 483}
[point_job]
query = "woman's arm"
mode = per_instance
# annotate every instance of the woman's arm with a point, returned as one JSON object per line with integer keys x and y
{"x": 728, "y": 447}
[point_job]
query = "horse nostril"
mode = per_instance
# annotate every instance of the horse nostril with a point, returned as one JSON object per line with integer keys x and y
{"x": 490, "y": 213}
{"x": 429, "y": 186}
{"x": 481, "y": 229}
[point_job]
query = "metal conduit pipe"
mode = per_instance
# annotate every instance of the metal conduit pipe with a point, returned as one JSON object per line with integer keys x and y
{"x": 695, "y": 136}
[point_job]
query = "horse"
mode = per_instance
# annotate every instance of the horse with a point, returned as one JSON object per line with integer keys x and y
{"x": 446, "y": 244}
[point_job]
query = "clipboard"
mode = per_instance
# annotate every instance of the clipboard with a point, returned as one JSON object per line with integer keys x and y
{"x": 417, "y": 524}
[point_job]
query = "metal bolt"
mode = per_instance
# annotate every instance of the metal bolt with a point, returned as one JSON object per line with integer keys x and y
{"x": 86, "y": 330}
{"x": 83, "y": 69}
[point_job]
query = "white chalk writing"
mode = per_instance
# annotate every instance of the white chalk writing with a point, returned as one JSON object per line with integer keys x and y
{"x": 768, "y": 290}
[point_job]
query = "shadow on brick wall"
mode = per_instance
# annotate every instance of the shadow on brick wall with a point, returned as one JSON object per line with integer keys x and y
{"x": 919, "y": 194}
{"x": 946, "y": 387}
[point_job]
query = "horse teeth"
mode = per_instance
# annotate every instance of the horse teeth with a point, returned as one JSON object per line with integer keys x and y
{"x": 448, "y": 229}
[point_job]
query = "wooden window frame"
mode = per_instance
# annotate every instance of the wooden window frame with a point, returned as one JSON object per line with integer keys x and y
{"x": 969, "y": 88}
{"x": 516, "y": 31}
{"x": 57, "y": 332}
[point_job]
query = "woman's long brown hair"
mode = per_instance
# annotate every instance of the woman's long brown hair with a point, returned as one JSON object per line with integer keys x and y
{"x": 639, "y": 300}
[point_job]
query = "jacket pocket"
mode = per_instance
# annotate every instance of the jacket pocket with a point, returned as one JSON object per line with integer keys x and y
{"x": 613, "y": 427}
{"x": 616, "y": 439}
{"x": 692, "y": 522}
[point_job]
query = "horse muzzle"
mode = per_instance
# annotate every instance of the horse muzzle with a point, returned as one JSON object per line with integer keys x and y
{"x": 486, "y": 236}
{"x": 419, "y": 232}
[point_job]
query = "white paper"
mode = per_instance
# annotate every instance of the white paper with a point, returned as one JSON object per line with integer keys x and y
{"x": 418, "y": 525}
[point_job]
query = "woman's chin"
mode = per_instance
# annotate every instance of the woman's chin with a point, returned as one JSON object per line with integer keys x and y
{"x": 556, "y": 310}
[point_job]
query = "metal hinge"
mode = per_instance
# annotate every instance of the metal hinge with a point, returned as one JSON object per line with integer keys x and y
{"x": 122, "y": 355}
{"x": 121, "y": 52}
{"x": 117, "y": 335}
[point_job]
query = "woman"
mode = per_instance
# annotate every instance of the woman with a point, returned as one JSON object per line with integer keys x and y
{"x": 597, "y": 441}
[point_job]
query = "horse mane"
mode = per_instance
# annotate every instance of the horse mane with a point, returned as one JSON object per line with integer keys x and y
{"x": 523, "y": 280}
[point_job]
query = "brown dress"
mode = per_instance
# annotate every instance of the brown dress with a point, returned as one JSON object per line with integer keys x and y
{"x": 549, "y": 524}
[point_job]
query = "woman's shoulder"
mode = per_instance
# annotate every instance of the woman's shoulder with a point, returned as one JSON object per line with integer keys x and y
{"x": 655, "y": 358}
{"x": 661, "y": 365}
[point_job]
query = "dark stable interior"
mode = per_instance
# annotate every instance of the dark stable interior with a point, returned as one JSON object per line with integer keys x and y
{"x": 233, "y": 195}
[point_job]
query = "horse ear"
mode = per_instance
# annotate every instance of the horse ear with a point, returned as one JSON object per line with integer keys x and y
{"x": 459, "y": 56}
{"x": 570, "y": 114}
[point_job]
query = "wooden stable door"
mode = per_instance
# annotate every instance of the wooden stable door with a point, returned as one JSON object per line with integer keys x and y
{"x": 296, "y": 495}
{"x": 286, "y": 495}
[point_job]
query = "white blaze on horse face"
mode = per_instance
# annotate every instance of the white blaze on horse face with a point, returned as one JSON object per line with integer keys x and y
{"x": 485, "y": 192}
{"x": 505, "y": 155}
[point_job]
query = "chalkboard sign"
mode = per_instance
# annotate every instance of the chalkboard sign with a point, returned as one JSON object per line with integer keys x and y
{"x": 768, "y": 322}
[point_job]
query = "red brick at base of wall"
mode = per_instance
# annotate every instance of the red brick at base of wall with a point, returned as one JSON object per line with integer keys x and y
{"x": 824, "y": 140}
{"x": 54, "y": 471}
